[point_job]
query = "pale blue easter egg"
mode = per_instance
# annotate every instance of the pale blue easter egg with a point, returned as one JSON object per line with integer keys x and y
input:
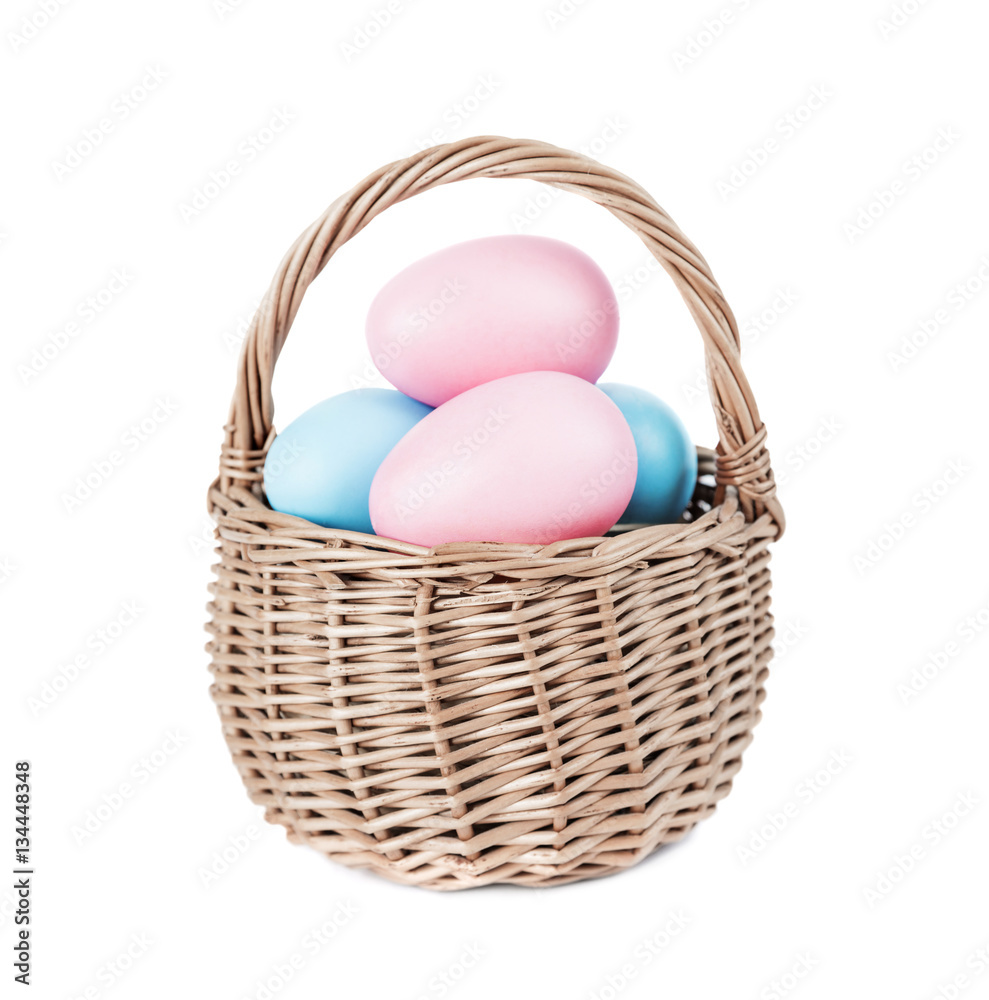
{"x": 667, "y": 471}
{"x": 321, "y": 466}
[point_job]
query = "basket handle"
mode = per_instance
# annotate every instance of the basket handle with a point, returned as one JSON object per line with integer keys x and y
{"x": 742, "y": 462}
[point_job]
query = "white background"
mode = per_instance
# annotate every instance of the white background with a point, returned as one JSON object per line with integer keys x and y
{"x": 881, "y": 459}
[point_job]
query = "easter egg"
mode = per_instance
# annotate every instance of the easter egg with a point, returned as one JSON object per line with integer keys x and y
{"x": 534, "y": 457}
{"x": 488, "y": 308}
{"x": 667, "y": 457}
{"x": 321, "y": 466}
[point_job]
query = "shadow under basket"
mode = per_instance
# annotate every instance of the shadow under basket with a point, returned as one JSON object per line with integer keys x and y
{"x": 485, "y": 712}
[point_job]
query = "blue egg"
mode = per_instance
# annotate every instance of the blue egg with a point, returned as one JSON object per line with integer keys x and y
{"x": 321, "y": 466}
{"x": 667, "y": 457}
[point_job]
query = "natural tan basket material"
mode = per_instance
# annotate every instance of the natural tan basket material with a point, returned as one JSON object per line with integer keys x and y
{"x": 483, "y": 712}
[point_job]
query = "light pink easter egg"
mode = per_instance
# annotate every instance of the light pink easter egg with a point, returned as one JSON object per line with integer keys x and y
{"x": 488, "y": 308}
{"x": 534, "y": 457}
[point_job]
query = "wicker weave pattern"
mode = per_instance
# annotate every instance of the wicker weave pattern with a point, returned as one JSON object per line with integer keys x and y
{"x": 485, "y": 712}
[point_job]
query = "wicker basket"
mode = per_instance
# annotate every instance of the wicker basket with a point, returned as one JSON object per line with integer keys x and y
{"x": 487, "y": 712}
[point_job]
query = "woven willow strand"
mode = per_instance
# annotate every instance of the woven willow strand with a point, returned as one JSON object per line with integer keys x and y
{"x": 485, "y": 712}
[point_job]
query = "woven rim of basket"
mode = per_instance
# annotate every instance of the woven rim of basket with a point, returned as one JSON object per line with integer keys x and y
{"x": 745, "y": 489}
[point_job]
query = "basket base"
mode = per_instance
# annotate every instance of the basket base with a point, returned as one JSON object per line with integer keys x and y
{"x": 590, "y": 857}
{"x": 452, "y": 874}
{"x": 454, "y": 720}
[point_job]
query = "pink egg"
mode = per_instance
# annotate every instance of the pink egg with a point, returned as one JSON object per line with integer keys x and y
{"x": 534, "y": 457}
{"x": 488, "y": 308}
